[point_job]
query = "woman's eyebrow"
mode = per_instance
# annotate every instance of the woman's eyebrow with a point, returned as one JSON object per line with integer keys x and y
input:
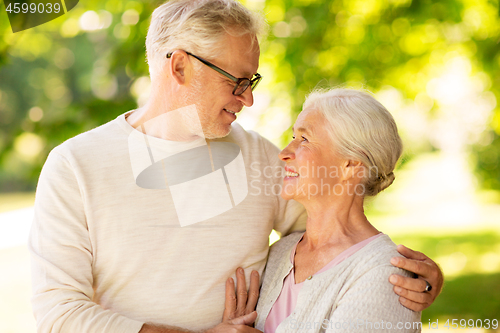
{"x": 303, "y": 130}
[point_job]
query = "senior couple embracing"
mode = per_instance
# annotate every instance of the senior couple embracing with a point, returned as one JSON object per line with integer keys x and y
{"x": 109, "y": 255}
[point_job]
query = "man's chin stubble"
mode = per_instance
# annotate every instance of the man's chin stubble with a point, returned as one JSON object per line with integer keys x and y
{"x": 211, "y": 135}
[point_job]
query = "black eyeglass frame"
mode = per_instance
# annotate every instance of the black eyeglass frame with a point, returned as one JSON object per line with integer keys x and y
{"x": 252, "y": 83}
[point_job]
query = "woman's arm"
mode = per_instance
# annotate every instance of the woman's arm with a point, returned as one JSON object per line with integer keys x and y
{"x": 369, "y": 305}
{"x": 239, "y": 311}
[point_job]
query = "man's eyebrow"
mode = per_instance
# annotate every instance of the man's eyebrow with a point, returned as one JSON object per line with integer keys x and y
{"x": 248, "y": 74}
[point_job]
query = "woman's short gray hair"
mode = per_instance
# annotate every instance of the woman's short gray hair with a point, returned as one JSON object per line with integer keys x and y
{"x": 361, "y": 130}
{"x": 197, "y": 26}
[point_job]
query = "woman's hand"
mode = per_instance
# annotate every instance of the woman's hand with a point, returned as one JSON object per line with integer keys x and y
{"x": 237, "y": 325}
{"x": 412, "y": 292}
{"x": 239, "y": 312}
{"x": 241, "y": 302}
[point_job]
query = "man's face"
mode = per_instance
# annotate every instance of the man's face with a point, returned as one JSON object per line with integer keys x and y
{"x": 212, "y": 91}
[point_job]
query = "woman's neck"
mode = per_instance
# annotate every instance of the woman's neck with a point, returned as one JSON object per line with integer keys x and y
{"x": 336, "y": 221}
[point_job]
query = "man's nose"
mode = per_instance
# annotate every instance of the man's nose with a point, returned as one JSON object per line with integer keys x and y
{"x": 246, "y": 98}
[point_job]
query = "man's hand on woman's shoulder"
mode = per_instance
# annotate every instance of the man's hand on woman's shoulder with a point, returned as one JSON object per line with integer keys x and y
{"x": 419, "y": 293}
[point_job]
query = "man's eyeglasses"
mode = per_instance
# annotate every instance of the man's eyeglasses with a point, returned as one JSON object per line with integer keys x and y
{"x": 241, "y": 84}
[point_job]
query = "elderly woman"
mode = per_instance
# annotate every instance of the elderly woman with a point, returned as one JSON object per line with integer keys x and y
{"x": 334, "y": 276}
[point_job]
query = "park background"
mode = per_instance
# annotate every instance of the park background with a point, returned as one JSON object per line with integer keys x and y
{"x": 434, "y": 64}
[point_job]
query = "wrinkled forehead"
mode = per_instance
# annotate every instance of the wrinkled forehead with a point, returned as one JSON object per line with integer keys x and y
{"x": 313, "y": 123}
{"x": 307, "y": 119}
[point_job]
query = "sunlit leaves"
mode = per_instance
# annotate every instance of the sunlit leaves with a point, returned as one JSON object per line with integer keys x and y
{"x": 402, "y": 48}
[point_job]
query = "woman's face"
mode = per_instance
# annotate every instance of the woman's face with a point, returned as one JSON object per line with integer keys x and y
{"x": 312, "y": 168}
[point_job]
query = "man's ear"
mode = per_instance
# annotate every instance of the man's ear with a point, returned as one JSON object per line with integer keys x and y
{"x": 178, "y": 66}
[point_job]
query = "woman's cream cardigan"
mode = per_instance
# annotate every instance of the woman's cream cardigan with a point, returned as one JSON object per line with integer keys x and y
{"x": 353, "y": 296}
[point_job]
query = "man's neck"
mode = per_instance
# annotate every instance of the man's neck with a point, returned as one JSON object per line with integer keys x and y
{"x": 182, "y": 124}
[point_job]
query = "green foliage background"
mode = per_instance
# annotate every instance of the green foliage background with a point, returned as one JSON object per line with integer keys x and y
{"x": 65, "y": 72}
{"x": 369, "y": 43}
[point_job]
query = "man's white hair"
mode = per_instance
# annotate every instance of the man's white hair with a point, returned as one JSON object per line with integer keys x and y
{"x": 361, "y": 129}
{"x": 197, "y": 26}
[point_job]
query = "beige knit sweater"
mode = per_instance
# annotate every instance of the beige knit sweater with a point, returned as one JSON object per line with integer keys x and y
{"x": 109, "y": 255}
{"x": 353, "y": 296}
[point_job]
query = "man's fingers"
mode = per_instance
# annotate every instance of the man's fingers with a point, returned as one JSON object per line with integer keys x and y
{"x": 411, "y": 305}
{"x": 415, "y": 266}
{"x": 421, "y": 298}
{"x": 413, "y": 290}
{"x": 241, "y": 290}
{"x": 253, "y": 292}
{"x": 409, "y": 253}
{"x": 230, "y": 306}
{"x": 417, "y": 285}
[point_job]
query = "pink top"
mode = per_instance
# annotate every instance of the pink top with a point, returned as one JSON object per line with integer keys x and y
{"x": 285, "y": 304}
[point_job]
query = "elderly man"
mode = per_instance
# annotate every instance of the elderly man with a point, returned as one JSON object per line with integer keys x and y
{"x": 142, "y": 219}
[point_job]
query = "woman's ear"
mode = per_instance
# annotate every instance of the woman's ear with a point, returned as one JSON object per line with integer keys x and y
{"x": 352, "y": 169}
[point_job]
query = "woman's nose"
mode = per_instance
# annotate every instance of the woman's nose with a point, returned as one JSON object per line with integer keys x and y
{"x": 288, "y": 153}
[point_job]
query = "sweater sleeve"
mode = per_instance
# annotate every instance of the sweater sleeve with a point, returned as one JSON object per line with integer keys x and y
{"x": 61, "y": 258}
{"x": 370, "y": 305}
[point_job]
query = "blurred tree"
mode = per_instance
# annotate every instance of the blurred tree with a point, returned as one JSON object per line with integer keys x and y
{"x": 434, "y": 64}
{"x": 424, "y": 59}
{"x": 66, "y": 77}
